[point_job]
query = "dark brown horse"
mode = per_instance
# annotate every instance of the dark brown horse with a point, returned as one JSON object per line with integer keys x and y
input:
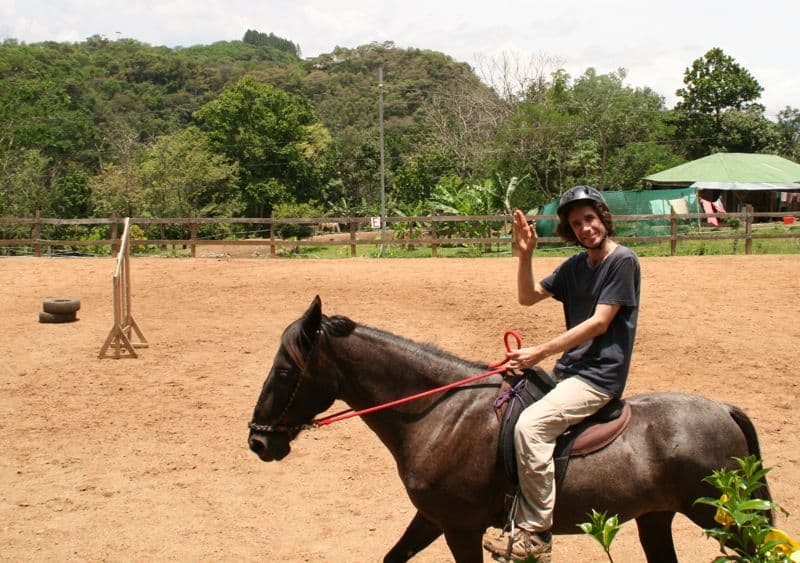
{"x": 445, "y": 445}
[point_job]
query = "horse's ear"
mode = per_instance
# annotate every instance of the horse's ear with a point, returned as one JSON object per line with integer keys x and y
{"x": 312, "y": 319}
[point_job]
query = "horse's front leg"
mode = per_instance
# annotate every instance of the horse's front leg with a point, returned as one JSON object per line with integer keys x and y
{"x": 420, "y": 533}
{"x": 465, "y": 545}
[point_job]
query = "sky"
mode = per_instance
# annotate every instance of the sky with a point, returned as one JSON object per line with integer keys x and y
{"x": 653, "y": 41}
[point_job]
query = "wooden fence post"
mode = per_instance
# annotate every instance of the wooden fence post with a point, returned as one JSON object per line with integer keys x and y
{"x": 748, "y": 229}
{"x": 114, "y": 236}
{"x": 673, "y": 233}
{"x": 434, "y": 236}
{"x": 193, "y": 237}
{"x": 272, "y": 248}
{"x": 37, "y": 234}
{"x": 353, "y": 248}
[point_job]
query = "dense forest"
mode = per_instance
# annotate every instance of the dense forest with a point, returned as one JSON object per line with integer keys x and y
{"x": 248, "y": 128}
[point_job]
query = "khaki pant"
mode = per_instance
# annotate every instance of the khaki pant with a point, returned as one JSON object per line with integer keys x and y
{"x": 535, "y": 436}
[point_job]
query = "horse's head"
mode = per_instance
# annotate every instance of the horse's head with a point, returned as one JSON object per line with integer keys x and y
{"x": 296, "y": 389}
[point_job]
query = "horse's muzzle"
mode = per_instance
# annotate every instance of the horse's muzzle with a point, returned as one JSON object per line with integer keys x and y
{"x": 269, "y": 447}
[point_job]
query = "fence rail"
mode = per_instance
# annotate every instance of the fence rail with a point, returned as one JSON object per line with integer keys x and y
{"x": 429, "y": 231}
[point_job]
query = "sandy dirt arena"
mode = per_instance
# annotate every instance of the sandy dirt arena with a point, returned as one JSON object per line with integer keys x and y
{"x": 147, "y": 459}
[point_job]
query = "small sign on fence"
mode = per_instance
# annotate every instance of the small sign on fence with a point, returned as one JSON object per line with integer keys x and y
{"x": 375, "y": 222}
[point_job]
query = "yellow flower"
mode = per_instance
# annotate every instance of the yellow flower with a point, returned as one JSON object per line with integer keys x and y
{"x": 788, "y": 546}
{"x": 722, "y": 516}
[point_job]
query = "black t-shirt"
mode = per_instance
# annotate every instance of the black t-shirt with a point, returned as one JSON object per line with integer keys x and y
{"x": 603, "y": 362}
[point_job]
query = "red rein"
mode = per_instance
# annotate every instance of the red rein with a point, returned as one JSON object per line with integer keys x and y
{"x": 495, "y": 369}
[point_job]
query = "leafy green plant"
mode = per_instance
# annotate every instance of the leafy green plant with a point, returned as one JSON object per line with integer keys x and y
{"x": 602, "y": 528}
{"x": 290, "y": 210}
{"x": 745, "y": 533}
{"x": 509, "y": 201}
{"x": 412, "y": 229}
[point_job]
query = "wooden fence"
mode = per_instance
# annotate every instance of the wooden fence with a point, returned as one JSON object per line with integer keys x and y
{"x": 427, "y": 231}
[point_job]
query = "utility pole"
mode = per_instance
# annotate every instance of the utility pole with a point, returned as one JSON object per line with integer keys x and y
{"x": 383, "y": 174}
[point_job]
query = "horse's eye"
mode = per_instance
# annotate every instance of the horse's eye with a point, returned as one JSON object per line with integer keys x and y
{"x": 283, "y": 373}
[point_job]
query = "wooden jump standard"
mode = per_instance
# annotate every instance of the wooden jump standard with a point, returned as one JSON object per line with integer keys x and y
{"x": 119, "y": 337}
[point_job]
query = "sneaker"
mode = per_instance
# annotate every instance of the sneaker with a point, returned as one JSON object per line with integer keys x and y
{"x": 521, "y": 546}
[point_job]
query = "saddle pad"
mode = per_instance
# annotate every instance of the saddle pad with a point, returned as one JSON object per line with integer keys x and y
{"x": 597, "y": 436}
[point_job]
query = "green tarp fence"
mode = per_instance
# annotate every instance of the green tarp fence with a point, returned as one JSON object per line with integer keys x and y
{"x": 637, "y": 202}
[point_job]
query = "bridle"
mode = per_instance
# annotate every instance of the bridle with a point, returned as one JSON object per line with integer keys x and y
{"x": 285, "y": 428}
{"x": 495, "y": 368}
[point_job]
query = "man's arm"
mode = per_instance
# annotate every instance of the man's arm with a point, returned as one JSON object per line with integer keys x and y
{"x": 529, "y": 291}
{"x": 592, "y": 327}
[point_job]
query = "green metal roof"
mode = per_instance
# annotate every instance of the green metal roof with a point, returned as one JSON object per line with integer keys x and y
{"x": 730, "y": 168}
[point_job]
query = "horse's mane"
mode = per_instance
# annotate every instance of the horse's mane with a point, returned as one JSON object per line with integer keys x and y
{"x": 298, "y": 345}
{"x": 343, "y": 326}
{"x": 337, "y": 325}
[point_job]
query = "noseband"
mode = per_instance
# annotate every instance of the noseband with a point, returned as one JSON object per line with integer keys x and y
{"x": 282, "y": 428}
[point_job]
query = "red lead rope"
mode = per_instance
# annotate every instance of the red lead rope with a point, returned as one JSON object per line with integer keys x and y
{"x": 496, "y": 368}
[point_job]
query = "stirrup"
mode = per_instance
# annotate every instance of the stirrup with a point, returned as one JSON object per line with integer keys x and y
{"x": 510, "y": 528}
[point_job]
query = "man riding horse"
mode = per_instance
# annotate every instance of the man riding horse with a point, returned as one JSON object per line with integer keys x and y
{"x": 599, "y": 290}
{"x": 446, "y": 446}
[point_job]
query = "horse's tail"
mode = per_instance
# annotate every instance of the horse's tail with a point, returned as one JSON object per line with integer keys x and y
{"x": 753, "y": 448}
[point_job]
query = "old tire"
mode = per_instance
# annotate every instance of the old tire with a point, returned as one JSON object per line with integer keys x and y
{"x": 45, "y": 317}
{"x": 60, "y": 305}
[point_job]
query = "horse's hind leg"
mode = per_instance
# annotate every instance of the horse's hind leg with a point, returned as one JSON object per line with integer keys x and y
{"x": 420, "y": 533}
{"x": 655, "y": 535}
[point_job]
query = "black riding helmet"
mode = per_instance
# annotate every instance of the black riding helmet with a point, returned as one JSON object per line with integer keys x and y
{"x": 579, "y": 193}
{"x": 585, "y": 194}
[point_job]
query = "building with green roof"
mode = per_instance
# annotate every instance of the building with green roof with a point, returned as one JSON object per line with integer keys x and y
{"x": 768, "y": 182}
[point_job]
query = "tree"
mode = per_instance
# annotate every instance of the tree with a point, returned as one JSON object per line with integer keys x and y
{"x": 421, "y": 106}
{"x": 716, "y": 87}
{"x": 464, "y": 118}
{"x": 748, "y": 131}
{"x": 72, "y": 194}
{"x": 536, "y": 143}
{"x": 636, "y": 160}
{"x": 357, "y": 160}
{"x": 420, "y": 172}
{"x": 257, "y": 38}
{"x": 302, "y": 130}
{"x": 612, "y": 118}
{"x": 275, "y": 138}
{"x": 788, "y": 127}
{"x": 117, "y": 189}
{"x": 25, "y": 186}
{"x": 183, "y": 177}
{"x": 593, "y": 130}
{"x": 515, "y": 79}
{"x": 715, "y": 83}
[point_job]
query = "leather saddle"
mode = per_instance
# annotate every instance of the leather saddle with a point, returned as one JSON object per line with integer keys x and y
{"x": 590, "y": 435}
